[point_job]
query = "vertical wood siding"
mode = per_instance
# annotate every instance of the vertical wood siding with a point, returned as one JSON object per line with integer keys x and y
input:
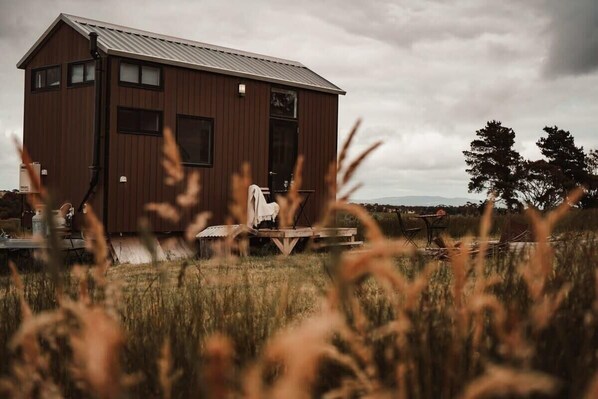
{"x": 58, "y": 124}
{"x": 241, "y": 133}
{"x": 58, "y": 132}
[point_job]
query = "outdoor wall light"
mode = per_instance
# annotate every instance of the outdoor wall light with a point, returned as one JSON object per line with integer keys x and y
{"x": 241, "y": 89}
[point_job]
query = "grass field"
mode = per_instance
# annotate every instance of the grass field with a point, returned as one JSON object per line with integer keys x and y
{"x": 382, "y": 322}
{"x": 250, "y": 299}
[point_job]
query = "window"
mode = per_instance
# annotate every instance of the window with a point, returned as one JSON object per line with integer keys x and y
{"x": 139, "y": 121}
{"x": 195, "y": 137}
{"x": 81, "y": 73}
{"x": 140, "y": 74}
{"x": 45, "y": 78}
{"x": 283, "y": 103}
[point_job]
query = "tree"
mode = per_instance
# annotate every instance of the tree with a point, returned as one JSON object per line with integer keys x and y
{"x": 493, "y": 164}
{"x": 537, "y": 186}
{"x": 591, "y": 198}
{"x": 561, "y": 152}
{"x": 592, "y": 161}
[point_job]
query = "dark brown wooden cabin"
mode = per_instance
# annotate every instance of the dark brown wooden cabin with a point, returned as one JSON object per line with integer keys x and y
{"x": 225, "y": 107}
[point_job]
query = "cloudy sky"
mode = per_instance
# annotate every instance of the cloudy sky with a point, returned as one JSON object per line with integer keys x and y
{"x": 423, "y": 75}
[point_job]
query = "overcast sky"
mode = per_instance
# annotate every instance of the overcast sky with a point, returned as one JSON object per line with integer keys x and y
{"x": 423, "y": 75}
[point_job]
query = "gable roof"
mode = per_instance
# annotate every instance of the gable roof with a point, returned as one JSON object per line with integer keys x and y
{"x": 138, "y": 44}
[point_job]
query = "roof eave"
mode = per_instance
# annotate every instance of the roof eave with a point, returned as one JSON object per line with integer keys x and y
{"x": 42, "y": 38}
{"x": 69, "y": 21}
{"x": 223, "y": 71}
{"x": 62, "y": 17}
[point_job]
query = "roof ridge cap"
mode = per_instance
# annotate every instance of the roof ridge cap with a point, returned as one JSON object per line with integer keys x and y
{"x": 179, "y": 40}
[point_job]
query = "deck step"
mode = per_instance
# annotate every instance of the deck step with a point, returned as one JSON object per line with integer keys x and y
{"x": 340, "y": 244}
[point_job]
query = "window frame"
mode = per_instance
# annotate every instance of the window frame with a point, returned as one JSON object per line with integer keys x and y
{"x": 212, "y": 135}
{"x": 45, "y": 88}
{"x": 85, "y": 82}
{"x": 140, "y": 65}
{"x": 141, "y": 132}
{"x": 286, "y": 88}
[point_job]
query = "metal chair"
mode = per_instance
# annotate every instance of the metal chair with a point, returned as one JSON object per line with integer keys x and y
{"x": 439, "y": 224}
{"x": 408, "y": 233}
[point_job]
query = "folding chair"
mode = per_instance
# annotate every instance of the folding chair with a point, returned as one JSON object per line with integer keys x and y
{"x": 409, "y": 233}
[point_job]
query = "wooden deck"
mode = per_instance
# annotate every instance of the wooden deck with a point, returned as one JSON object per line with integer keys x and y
{"x": 286, "y": 239}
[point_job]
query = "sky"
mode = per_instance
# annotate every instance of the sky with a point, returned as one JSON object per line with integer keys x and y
{"x": 423, "y": 75}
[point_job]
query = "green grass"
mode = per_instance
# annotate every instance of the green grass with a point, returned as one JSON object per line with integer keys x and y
{"x": 253, "y": 298}
{"x": 576, "y": 221}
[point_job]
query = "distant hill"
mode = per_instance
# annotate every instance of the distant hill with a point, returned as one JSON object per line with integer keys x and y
{"x": 417, "y": 200}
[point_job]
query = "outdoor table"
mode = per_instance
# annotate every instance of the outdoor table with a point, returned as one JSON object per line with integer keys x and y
{"x": 429, "y": 220}
{"x": 305, "y": 194}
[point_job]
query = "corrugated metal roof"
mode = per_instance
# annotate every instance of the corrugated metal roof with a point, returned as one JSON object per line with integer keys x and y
{"x": 134, "y": 43}
{"x": 222, "y": 231}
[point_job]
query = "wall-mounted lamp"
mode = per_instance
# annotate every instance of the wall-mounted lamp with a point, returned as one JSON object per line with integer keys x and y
{"x": 123, "y": 179}
{"x": 241, "y": 89}
{"x": 44, "y": 172}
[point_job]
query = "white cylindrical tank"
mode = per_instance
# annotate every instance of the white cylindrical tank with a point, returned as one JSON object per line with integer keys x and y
{"x": 37, "y": 224}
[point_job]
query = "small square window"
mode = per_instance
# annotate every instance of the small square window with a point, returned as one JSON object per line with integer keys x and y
{"x": 90, "y": 71}
{"x": 129, "y": 73}
{"x": 195, "y": 139}
{"x": 139, "y": 121}
{"x": 150, "y": 76}
{"x": 136, "y": 73}
{"x": 149, "y": 121}
{"x": 283, "y": 103}
{"x": 80, "y": 73}
{"x": 53, "y": 77}
{"x": 77, "y": 73}
{"x": 127, "y": 120}
{"x": 46, "y": 78}
{"x": 40, "y": 79}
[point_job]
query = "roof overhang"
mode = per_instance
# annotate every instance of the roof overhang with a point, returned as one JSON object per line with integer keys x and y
{"x": 65, "y": 18}
{"x": 220, "y": 71}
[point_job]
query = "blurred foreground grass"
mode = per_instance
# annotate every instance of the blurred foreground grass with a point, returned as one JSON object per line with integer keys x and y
{"x": 251, "y": 299}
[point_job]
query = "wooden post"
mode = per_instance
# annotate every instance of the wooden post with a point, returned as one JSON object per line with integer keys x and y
{"x": 287, "y": 244}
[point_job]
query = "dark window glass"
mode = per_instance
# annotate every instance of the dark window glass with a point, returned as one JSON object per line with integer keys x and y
{"x": 283, "y": 103}
{"x": 139, "y": 121}
{"x": 46, "y": 78}
{"x": 142, "y": 75}
{"x": 127, "y": 120}
{"x": 195, "y": 139}
{"x": 40, "y": 79}
{"x": 149, "y": 121}
{"x": 53, "y": 77}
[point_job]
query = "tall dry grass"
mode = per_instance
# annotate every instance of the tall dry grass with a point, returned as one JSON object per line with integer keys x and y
{"x": 381, "y": 322}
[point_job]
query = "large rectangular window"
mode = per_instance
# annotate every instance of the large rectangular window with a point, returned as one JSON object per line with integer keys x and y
{"x": 45, "y": 78}
{"x": 195, "y": 137}
{"x": 137, "y": 74}
{"x": 81, "y": 73}
{"x": 139, "y": 121}
{"x": 283, "y": 103}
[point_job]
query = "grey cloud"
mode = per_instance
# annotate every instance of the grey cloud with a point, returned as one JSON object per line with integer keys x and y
{"x": 423, "y": 75}
{"x": 574, "y": 32}
{"x": 404, "y": 23}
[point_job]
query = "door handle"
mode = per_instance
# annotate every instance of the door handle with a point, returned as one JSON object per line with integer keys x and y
{"x": 272, "y": 173}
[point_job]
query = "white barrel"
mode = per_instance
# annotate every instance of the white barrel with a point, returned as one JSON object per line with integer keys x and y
{"x": 37, "y": 224}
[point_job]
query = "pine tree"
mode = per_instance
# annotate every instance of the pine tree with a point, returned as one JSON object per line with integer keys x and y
{"x": 560, "y": 151}
{"x": 493, "y": 164}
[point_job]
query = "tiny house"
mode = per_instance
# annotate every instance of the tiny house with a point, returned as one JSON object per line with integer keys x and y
{"x": 98, "y": 95}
